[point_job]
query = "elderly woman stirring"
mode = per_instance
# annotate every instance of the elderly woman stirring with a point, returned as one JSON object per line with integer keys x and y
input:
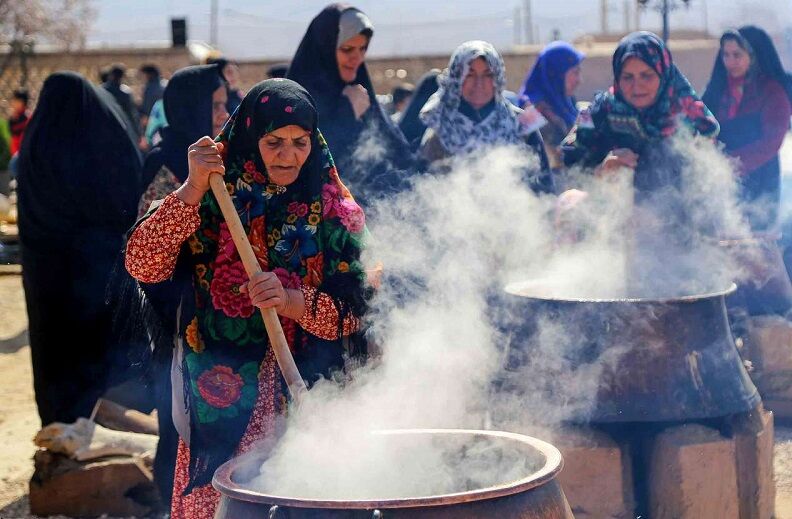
{"x": 469, "y": 113}
{"x": 306, "y": 231}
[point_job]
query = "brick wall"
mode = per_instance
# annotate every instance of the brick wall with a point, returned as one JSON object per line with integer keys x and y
{"x": 694, "y": 57}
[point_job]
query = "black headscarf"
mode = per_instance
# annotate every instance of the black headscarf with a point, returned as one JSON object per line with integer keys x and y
{"x": 188, "y": 109}
{"x": 315, "y": 67}
{"x": 764, "y": 61}
{"x": 79, "y": 166}
{"x": 411, "y": 125}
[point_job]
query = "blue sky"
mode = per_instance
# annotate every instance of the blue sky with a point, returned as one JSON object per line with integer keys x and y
{"x": 273, "y": 28}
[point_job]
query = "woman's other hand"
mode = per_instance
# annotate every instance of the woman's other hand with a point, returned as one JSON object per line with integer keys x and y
{"x": 358, "y": 98}
{"x": 266, "y": 291}
{"x": 618, "y": 159}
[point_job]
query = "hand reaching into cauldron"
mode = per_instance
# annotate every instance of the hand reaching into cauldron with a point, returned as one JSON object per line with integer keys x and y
{"x": 616, "y": 160}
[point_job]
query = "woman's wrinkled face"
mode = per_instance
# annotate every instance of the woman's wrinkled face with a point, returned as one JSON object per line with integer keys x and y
{"x": 284, "y": 151}
{"x": 572, "y": 80}
{"x": 736, "y": 59}
{"x": 219, "y": 112}
{"x": 478, "y": 88}
{"x": 350, "y": 55}
{"x": 638, "y": 83}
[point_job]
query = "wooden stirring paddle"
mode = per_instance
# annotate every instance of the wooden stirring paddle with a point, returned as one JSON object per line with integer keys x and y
{"x": 280, "y": 347}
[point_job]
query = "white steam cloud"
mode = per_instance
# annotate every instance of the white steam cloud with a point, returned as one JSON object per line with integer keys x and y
{"x": 449, "y": 246}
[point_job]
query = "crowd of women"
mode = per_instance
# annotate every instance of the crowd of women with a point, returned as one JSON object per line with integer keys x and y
{"x": 292, "y": 154}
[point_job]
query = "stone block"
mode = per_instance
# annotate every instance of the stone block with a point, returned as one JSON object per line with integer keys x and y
{"x": 754, "y": 441}
{"x": 692, "y": 474}
{"x": 768, "y": 345}
{"x": 114, "y": 486}
{"x": 597, "y": 475}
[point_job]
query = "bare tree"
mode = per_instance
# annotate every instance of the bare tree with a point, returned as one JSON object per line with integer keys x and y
{"x": 23, "y": 23}
{"x": 665, "y": 7}
{"x": 64, "y": 23}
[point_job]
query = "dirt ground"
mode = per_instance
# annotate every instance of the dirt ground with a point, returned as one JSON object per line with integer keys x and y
{"x": 19, "y": 421}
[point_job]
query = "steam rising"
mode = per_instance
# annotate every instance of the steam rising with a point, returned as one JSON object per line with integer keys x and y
{"x": 449, "y": 246}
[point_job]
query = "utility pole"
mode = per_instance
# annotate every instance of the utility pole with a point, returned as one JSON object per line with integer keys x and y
{"x": 706, "y": 16}
{"x": 665, "y": 8}
{"x": 528, "y": 20}
{"x": 626, "y": 14}
{"x": 604, "y": 16}
{"x": 517, "y": 25}
{"x": 213, "y": 24}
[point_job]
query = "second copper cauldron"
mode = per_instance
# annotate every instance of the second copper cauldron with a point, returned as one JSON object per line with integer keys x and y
{"x": 675, "y": 357}
{"x": 536, "y": 494}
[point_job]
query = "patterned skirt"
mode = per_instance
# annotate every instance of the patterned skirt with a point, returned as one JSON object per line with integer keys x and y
{"x": 202, "y": 502}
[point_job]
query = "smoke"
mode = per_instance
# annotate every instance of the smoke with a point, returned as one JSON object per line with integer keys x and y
{"x": 445, "y": 327}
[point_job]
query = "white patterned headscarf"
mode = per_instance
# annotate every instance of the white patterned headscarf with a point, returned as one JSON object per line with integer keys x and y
{"x": 458, "y": 133}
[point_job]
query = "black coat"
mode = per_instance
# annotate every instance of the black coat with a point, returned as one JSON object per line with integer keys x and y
{"x": 372, "y": 155}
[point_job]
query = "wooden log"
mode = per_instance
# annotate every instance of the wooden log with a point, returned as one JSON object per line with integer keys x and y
{"x": 116, "y": 486}
{"x": 117, "y": 417}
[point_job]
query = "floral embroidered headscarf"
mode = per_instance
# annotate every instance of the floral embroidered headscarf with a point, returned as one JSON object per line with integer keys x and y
{"x": 612, "y": 122}
{"x": 457, "y": 132}
{"x": 308, "y": 233}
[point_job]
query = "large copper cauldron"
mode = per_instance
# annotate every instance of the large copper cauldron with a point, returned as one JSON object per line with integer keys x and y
{"x": 537, "y": 495}
{"x": 663, "y": 359}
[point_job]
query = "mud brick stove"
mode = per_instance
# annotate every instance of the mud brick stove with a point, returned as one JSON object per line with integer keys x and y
{"x": 675, "y": 427}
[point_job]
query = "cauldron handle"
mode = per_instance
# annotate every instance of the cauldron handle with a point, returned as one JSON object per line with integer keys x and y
{"x": 275, "y": 513}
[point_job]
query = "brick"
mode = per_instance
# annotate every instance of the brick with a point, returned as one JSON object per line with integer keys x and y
{"x": 597, "y": 475}
{"x": 754, "y": 451}
{"x": 117, "y": 486}
{"x": 768, "y": 345}
{"x": 692, "y": 474}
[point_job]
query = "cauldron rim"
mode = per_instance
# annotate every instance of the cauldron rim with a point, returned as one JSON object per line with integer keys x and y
{"x": 514, "y": 287}
{"x": 554, "y": 463}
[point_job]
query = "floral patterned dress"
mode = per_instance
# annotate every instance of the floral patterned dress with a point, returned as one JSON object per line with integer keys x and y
{"x": 151, "y": 257}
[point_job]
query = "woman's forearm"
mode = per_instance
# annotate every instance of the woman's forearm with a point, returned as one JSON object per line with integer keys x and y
{"x": 154, "y": 245}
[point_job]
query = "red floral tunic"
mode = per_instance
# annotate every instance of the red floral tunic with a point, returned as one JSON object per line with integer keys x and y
{"x": 154, "y": 247}
{"x": 151, "y": 257}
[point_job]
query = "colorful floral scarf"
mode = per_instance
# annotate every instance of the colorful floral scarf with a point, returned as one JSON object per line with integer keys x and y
{"x": 457, "y": 132}
{"x": 612, "y": 122}
{"x": 309, "y": 233}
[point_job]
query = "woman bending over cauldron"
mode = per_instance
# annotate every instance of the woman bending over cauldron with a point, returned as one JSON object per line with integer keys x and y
{"x": 469, "y": 113}
{"x": 649, "y": 102}
{"x": 750, "y": 94}
{"x": 306, "y": 231}
{"x": 631, "y": 126}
